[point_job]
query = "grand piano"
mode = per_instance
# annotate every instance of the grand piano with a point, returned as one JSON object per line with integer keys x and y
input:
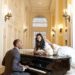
{"x": 52, "y": 65}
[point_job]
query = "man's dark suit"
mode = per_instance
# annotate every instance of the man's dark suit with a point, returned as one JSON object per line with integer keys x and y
{"x": 11, "y": 62}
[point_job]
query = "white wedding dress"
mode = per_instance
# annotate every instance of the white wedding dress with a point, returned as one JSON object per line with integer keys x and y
{"x": 67, "y": 51}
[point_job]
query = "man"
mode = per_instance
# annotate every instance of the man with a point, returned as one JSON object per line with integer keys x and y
{"x": 11, "y": 61}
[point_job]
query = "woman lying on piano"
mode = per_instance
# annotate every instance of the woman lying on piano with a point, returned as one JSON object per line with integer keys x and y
{"x": 42, "y": 46}
{"x": 45, "y": 47}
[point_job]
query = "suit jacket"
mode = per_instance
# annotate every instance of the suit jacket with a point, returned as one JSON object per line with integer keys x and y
{"x": 11, "y": 62}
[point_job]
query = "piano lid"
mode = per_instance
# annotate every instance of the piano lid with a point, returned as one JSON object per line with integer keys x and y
{"x": 49, "y": 56}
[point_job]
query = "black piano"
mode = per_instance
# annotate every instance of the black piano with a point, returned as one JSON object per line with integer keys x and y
{"x": 52, "y": 65}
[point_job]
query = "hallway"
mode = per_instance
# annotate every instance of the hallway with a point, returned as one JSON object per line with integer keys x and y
{"x": 23, "y": 19}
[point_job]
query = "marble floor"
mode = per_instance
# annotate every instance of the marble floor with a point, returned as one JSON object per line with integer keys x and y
{"x": 71, "y": 72}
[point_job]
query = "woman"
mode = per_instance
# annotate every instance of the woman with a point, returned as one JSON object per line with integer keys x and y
{"x": 42, "y": 47}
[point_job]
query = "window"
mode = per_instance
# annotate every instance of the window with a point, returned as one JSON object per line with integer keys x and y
{"x": 40, "y": 22}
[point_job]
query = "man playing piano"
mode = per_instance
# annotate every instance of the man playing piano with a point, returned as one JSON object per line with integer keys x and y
{"x": 11, "y": 61}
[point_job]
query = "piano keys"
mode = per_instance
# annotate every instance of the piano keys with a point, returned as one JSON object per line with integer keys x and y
{"x": 53, "y": 65}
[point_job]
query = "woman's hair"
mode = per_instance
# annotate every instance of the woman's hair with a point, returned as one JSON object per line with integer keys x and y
{"x": 39, "y": 44}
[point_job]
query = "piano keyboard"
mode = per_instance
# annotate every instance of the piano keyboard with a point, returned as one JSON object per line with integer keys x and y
{"x": 37, "y": 70}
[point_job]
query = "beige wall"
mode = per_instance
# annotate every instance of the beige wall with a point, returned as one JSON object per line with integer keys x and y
{"x": 27, "y": 34}
{"x": 13, "y": 28}
{"x": 57, "y": 19}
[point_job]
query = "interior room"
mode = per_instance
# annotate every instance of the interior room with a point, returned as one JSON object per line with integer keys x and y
{"x": 24, "y": 19}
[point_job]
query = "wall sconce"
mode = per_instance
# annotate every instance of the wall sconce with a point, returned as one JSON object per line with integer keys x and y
{"x": 60, "y": 27}
{"x": 8, "y": 16}
{"x": 53, "y": 29}
{"x": 66, "y": 42}
{"x": 53, "y": 33}
{"x": 6, "y": 13}
{"x": 25, "y": 28}
{"x": 66, "y": 15}
{"x": 66, "y": 29}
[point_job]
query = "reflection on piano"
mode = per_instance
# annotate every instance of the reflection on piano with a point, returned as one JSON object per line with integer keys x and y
{"x": 53, "y": 65}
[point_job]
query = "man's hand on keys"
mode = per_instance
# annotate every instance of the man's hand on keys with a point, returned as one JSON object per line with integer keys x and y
{"x": 25, "y": 67}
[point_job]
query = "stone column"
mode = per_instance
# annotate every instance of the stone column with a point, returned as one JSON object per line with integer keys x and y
{"x": 73, "y": 24}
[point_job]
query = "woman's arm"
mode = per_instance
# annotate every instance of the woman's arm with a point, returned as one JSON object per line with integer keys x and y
{"x": 40, "y": 52}
{"x": 35, "y": 52}
{"x": 49, "y": 48}
{"x": 49, "y": 43}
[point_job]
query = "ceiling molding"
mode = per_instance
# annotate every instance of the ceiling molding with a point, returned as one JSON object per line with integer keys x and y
{"x": 40, "y": 5}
